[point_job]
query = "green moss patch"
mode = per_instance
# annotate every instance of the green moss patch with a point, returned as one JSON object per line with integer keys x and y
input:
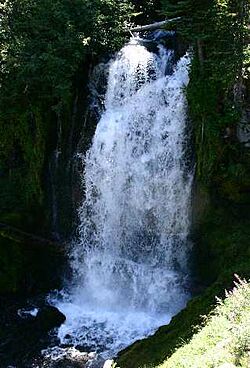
{"x": 27, "y": 267}
{"x": 225, "y": 338}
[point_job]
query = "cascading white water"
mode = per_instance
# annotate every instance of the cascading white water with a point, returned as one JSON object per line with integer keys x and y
{"x": 130, "y": 261}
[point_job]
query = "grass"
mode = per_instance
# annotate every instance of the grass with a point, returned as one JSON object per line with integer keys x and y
{"x": 224, "y": 341}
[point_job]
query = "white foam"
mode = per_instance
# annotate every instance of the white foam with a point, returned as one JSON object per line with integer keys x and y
{"x": 130, "y": 262}
{"x": 23, "y": 312}
{"x": 107, "y": 331}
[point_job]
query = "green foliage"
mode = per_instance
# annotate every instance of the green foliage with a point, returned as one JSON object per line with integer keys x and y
{"x": 225, "y": 338}
{"x": 217, "y": 31}
{"x": 43, "y": 45}
{"x": 44, "y": 42}
{"x": 215, "y": 71}
{"x": 155, "y": 349}
{"x": 148, "y": 10}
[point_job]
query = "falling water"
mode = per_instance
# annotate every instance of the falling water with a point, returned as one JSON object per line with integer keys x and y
{"x": 130, "y": 263}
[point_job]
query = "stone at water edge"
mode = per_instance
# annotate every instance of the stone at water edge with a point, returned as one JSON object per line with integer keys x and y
{"x": 109, "y": 364}
{"x": 49, "y": 317}
{"x": 92, "y": 355}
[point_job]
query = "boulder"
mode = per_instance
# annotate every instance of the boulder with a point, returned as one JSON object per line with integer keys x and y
{"x": 109, "y": 364}
{"x": 49, "y": 317}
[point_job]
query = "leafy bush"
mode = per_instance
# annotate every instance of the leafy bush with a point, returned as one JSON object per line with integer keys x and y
{"x": 217, "y": 30}
{"x": 43, "y": 45}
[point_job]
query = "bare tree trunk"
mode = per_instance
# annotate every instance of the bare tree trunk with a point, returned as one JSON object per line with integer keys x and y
{"x": 10, "y": 232}
{"x": 200, "y": 52}
{"x": 153, "y": 26}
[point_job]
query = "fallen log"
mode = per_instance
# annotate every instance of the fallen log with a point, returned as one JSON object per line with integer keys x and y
{"x": 10, "y": 232}
{"x": 153, "y": 26}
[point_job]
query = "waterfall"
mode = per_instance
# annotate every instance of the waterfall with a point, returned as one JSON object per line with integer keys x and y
{"x": 130, "y": 261}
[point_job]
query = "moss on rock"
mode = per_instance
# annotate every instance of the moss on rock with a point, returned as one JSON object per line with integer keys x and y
{"x": 224, "y": 340}
{"x": 28, "y": 267}
{"x": 155, "y": 349}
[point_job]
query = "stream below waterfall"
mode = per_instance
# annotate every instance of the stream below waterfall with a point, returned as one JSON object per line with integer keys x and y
{"x": 130, "y": 259}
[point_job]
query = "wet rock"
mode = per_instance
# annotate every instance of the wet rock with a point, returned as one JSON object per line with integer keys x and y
{"x": 49, "y": 317}
{"x": 92, "y": 355}
{"x": 25, "y": 329}
{"x": 58, "y": 357}
{"x": 27, "y": 313}
{"x": 109, "y": 364}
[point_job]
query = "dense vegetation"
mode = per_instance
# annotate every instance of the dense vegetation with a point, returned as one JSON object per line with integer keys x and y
{"x": 219, "y": 101}
{"x": 43, "y": 44}
{"x": 218, "y": 32}
{"x": 225, "y": 338}
{"x": 47, "y": 49}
